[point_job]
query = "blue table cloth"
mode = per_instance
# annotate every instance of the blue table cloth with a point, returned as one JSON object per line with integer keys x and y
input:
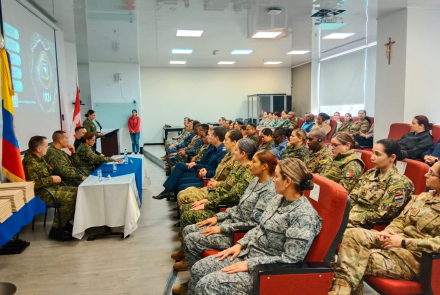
{"x": 13, "y": 224}
{"x": 124, "y": 169}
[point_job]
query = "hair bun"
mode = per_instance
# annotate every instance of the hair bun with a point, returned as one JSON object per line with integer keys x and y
{"x": 306, "y": 182}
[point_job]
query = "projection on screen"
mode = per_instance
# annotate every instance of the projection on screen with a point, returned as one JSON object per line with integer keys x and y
{"x": 31, "y": 45}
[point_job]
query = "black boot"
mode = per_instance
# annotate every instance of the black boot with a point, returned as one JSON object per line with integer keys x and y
{"x": 166, "y": 193}
{"x": 68, "y": 227}
{"x": 57, "y": 234}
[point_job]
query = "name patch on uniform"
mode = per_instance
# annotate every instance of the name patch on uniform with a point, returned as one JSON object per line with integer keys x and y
{"x": 436, "y": 207}
{"x": 398, "y": 198}
{"x": 415, "y": 211}
{"x": 348, "y": 174}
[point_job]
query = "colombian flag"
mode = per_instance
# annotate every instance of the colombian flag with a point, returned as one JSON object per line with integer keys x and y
{"x": 12, "y": 167}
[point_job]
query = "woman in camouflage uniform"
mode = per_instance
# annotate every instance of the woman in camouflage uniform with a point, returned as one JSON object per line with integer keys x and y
{"x": 276, "y": 118}
{"x": 296, "y": 147}
{"x": 266, "y": 133}
{"x": 346, "y": 168}
{"x": 285, "y": 233}
{"x": 88, "y": 123}
{"x": 89, "y": 160}
{"x": 215, "y": 232}
{"x": 360, "y": 126}
{"x": 395, "y": 252}
{"x": 284, "y": 121}
{"x": 345, "y": 127}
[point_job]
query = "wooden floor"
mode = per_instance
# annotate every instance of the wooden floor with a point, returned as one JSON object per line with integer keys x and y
{"x": 139, "y": 265}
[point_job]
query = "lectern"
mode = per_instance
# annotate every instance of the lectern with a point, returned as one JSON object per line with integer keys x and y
{"x": 110, "y": 143}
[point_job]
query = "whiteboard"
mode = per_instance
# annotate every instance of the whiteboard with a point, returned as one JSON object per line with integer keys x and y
{"x": 114, "y": 115}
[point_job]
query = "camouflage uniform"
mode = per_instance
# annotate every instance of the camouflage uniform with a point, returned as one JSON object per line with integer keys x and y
{"x": 359, "y": 127}
{"x": 319, "y": 161}
{"x": 378, "y": 197}
{"x": 90, "y": 126}
{"x": 301, "y": 152}
{"x": 229, "y": 193}
{"x": 284, "y": 235}
{"x": 273, "y": 123}
{"x": 193, "y": 150}
{"x": 247, "y": 213}
{"x": 293, "y": 124}
{"x": 38, "y": 171}
{"x": 194, "y": 194}
{"x": 181, "y": 145}
{"x": 264, "y": 123}
{"x": 283, "y": 123}
{"x": 89, "y": 159}
{"x": 346, "y": 170}
{"x": 64, "y": 165}
{"x": 345, "y": 127}
{"x": 361, "y": 254}
{"x": 202, "y": 151}
{"x": 266, "y": 145}
{"x": 170, "y": 142}
{"x": 255, "y": 139}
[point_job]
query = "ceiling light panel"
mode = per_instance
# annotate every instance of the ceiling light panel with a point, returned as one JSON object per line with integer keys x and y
{"x": 182, "y": 51}
{"x": 242, "y": 51}
{"x": 338, "y": 36}
{"x": 298, "y": 52}
{"x": 178, "y": 62}
{"x": 273, "y": 62}
{"x": 226, "y": 62}
{"x": 266, "y": 35}
{"x": 189, "y": 33}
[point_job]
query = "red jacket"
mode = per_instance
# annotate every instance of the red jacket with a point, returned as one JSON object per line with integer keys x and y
{"x": 134, "y": 124}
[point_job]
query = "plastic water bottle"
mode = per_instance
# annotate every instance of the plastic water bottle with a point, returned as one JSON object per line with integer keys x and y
{"x": 125, "y": 157}
{"x": 99, "y": 175}
{"x": 115, "y": 167}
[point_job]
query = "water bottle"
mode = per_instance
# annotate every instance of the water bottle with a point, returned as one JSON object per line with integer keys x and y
{"x": 99, "y": 175}
{"x": 125, "y": 157}
{"x": 115, "y": 167}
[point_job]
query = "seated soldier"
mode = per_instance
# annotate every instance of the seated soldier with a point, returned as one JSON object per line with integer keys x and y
{"x": 243, "y": 130}
{"x": 79, "y": 133}
{"x": 264, "y": 121}
{"x": 186, "y": 141}
{"x": 308, "y": 123}
{"x": 238, "y": 124}
{"x": 296, "y": 147}
{"x": 267, "y": 143}
{"x": 285, "y": 234}
{"x": 37, "y": 170}
{"x": 280, "y": 142}
{"x": 205, "y": 147}
{"x": 186, "y": 175}
{"x": 382, "y": 191}
{"x": 172, "y": 142}
{"x": 321, "y": 123}
{"x": 251, "y": 131}
{"x": 215, "y": 232}
{"x": 414, "y": 143}
{"x": 360, "y": 126}
{"x": 432, "y": 155}
{"x": 284, "y": 122}
{"x": 395, "y": 252}
{"x": 89, "y": 161}
{"x": 345, "y": 127}
{"x": 276, "y": 118}
{"x": 293, "y": 121}
{"x": 365, "y": 139}
{"x": 346, "y": 168}
{"x": 61, "y": 163}
{"x": 320, "y": 157}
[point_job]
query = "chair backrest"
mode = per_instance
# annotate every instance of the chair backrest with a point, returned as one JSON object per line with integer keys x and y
{"x": 332, "y": 131}
{"x": 355, "y": 118}
{"x": 397, "y": 130}
{"x": 436, "y": 133}
{"x": 366, "y": 158}
{"x": 300, "y": 122}
{"x": 416, "y": 171}
{"x": 333, "y": 206}
{"x": 371, "y": 120}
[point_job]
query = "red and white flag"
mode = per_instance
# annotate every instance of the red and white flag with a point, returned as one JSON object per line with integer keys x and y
{"x": 76, "y": 121}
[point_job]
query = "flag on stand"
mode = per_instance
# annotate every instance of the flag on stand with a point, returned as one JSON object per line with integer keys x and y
{"x": 12, "y": 167}
{"x": 76, "y": 121}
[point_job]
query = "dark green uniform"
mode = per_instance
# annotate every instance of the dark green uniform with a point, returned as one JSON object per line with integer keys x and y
{"x": 89, "y": 160}
{"x": 266, "y": 145}
{"x": 38, "y": 171}
{"x": 202, "y": 151}
{"x": 283, "y": 123}
{"x": 301, "y": 152}
{"x": 255, "y": 139}
{"x": 359, "y": 127}
{"x": 319, "y": 161}
{"x": 293, "y": 124}
{"x": 345, "y": 127}
{"x": 64, "y": 166}
{"x": 90, "y": 126}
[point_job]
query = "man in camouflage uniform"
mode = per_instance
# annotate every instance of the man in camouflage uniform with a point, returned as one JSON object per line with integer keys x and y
{"x": 251, "y": 132}
{"x": 393, "y": 253}
{"x": 301, "y": 152}
{"x": 289, "y": 242}
{"x": 203, "y": 150}
{"x": 175, "y": 140}
{"x": 38, "y": 171}
{"x": 293, "y": 121}
{"x": 378, "y": 197}
{"x": 320, "y": 157}
{"x": 185, "y": 141}
{"x": 183, "y": 154}
{"x": 62, "y": 164}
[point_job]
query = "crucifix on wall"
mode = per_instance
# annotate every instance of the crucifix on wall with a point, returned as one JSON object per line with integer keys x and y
{"x": 388, "y": 53}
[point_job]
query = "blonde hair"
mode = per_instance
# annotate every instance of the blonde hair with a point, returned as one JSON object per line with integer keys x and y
{"x": 300, "y": 133}
{"x": 297, "y": 171}
{"x": 344, "y": 138}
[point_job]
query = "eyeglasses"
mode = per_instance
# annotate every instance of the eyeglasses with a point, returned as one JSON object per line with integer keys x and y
{"x": 430, "y": 173}
{"x": 335, "y": 145}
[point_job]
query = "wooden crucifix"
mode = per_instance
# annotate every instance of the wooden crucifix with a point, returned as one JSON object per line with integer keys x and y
{"x": 388, "y": 53}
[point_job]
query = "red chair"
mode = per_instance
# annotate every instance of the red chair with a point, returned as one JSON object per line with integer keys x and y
{"x": 332, "y": 131}
{"x": 355, "y": 118}
{"x": 300, "y": 122}
{"x": 397, "y": 130}
{"x": 371, "y": 120}
{"x": 436, "y": 133}
{"x": 416, "y": 171}
{"x": 366, "y": 158}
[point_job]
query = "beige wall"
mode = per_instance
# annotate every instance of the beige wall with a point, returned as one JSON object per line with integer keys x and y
{"x": 301, "y": 89}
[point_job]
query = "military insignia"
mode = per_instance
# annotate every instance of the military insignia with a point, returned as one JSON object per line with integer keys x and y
{"x": 348, "y": 174}
{"x": 257, "y": 216}
{"x": 414, "y": 212}
{"x": 320, "y": 157}
{"x": 398, "y": 198}
{"x": 436, "y": 207}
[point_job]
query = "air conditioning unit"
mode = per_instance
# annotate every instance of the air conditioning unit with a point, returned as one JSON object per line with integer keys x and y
{"x": 262, "y": 17}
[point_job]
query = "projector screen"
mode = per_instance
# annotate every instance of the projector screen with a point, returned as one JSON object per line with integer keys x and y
{"x": 31, "y": 45}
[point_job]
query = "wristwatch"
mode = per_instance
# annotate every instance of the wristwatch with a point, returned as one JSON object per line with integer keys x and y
{"x": 403, "y": 244}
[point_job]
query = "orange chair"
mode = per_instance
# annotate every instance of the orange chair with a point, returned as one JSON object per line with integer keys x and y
{"x": 436, "y": 133}
{"x": 332, "y": 131}
{"x": 371, "y": 120}
{"x": 366, "y": 158}
{"x": 397, "y": 130}
{"x": 300, "y": 122}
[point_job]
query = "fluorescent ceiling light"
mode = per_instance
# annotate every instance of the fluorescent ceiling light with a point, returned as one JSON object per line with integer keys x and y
{"x": 338, "y": 36}
{"x": 182, "y": 51}
{"x": 272, "y": 62}
{"x": 298, "y": 52}
{"x": 226, "y": 62}
{"x": 242, "y": 51}
{"x": 266, "y": 35}
{"x": 189, "y": 33}
{"x": 178, "y": 62}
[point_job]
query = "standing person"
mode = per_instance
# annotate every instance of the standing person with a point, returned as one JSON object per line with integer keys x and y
{"x": 360, "y": 126}
{"x": 134, "y": 127}
{"x": 280, "y": 142}
{"x": 89, "y": 124}
{"x": 345, "y": 127}
{"x": 266, "y": 133}
{"x": 414, "y": 143}
{"x": 320, "y": 157}
{"x": 337, "y": 117}
{"x": 297, "y": 149}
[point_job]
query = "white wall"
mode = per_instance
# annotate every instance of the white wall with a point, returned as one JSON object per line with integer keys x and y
{"x": 84, "y": 87}
{"x": 301, "y": 89}
{"x": 170, "y": 94}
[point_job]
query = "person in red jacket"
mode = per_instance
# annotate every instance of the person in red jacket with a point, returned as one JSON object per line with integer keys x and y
{"x": 134, "y": 126}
